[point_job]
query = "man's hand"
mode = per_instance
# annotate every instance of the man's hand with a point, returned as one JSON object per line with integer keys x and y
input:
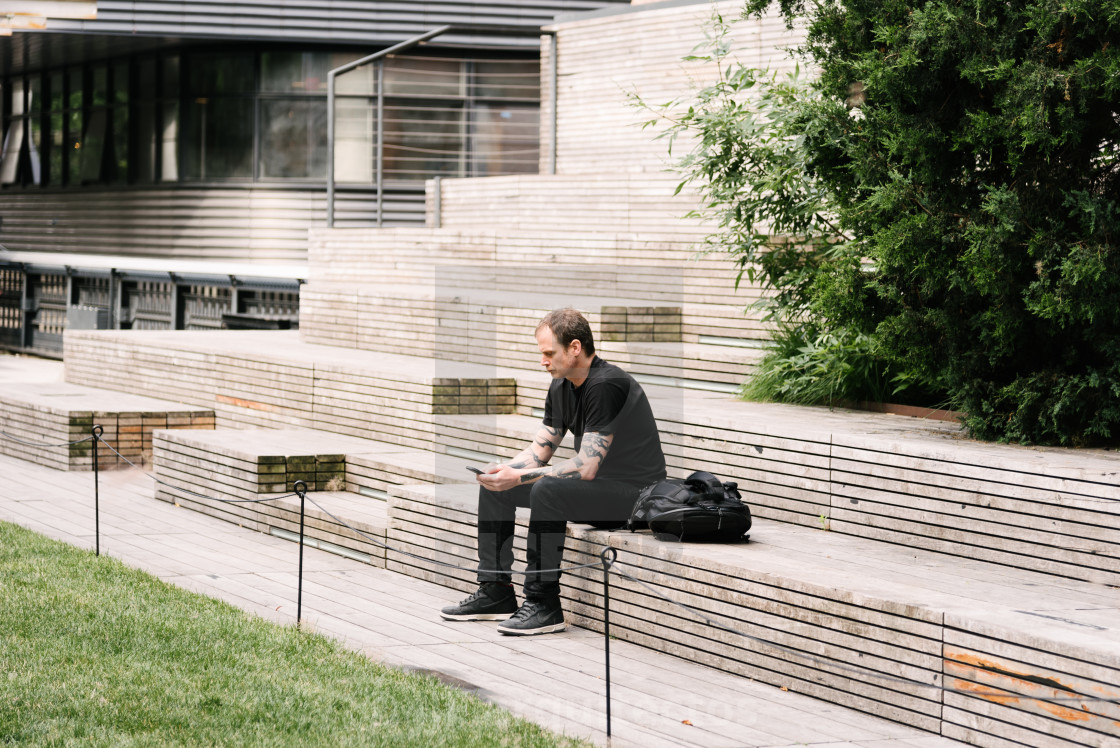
{"x": 499, "y": 478}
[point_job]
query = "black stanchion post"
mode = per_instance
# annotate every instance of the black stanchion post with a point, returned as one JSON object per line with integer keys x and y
{"x": 301, "y": 489}
{"x": 97, "y": 431}
{"x": 609, "y": 556}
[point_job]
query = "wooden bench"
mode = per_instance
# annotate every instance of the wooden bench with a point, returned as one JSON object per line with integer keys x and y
{"x": 57, "y": 413}
{"x": 497, "y": 330}
{"x": 849, "y": 620}
{"x": 205, "y": 471}
{"x": 890, "y": 478}
{"x": 273, "y": 379}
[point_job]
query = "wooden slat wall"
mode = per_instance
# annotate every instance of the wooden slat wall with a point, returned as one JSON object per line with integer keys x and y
{"x": 595, "y": 202}
{"x": 196, "y": 465}
{"x": 602, "y": 59}
{"x": 975, "y": 501}
{"x": 248, "y": 223}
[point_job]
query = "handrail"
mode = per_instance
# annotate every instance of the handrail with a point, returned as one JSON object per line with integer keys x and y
{"x": 400, "y": 47}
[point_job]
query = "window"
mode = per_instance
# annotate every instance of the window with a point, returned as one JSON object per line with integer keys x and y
{"x": 293, "y": 139}
{"x": 168, "y": 106}
{"x": 422, "y": 141}
{"x": 262, "y": 115}
{"x": 219, "y": 120}
{"x": 35, "y": 130}
{"x": 13, "y": 134}
{"x": 56, "y": 119}
{"x": 146, "y": 121}
{"x": 92, "y": 151}
{"x": 72, "y": 121}
{"x": 505, "y": 139}
{"x": 119, "y": 116}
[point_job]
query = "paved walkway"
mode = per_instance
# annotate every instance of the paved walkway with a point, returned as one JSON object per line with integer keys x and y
{"x": 554, "y": 680}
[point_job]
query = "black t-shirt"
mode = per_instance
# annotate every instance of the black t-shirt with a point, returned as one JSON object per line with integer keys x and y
{"x": 610, "y": 401}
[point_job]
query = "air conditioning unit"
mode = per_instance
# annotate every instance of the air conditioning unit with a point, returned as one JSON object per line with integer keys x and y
{"x": 87, "y": 318}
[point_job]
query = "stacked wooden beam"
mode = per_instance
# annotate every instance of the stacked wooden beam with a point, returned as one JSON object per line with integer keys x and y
{"x": 966, "y": 649}
{"x": 59, "y": 414}
{"x": 239, "y": 475}
{"x": 262, "y": 379}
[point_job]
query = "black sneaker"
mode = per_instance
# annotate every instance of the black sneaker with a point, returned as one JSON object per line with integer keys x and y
{"x": 490, "y": 602}
{"x": 535, "y": 617}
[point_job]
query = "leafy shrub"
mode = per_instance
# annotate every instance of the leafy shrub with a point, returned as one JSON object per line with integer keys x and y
{"x": 948, "y": 188}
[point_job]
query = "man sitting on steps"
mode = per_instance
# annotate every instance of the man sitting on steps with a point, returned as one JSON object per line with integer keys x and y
{"x": 618, "y": 451}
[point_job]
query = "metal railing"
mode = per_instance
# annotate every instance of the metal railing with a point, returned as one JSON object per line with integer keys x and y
{"x": 379, "y": 145}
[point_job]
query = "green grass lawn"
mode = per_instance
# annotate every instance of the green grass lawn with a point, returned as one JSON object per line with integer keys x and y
{"x": 94, "y": 653}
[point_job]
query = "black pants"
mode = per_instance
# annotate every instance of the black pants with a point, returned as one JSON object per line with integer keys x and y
{"x": 552, "y": 503}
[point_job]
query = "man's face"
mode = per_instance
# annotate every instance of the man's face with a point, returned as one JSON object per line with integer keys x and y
{"x": 555, "y": 358}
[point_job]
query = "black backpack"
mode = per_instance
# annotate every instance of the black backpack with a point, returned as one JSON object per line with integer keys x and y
{"x": 698, "y": 508}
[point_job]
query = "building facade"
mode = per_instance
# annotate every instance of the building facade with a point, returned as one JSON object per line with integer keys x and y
{"x": 163, "y": 163}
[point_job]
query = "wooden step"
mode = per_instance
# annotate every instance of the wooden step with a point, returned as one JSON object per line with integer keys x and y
{"x": 907, "y": 481}
{"x": 870, "y": 625}
{"x": 661, "y": 269}
{"x": 272, "y": 379}
{"x": 57, "y": 413}
{"x": 891, "y": 478}
{"x": 208, "y": 470}
{"x": 373, "y": 474}
{"x": 497, "y": 329}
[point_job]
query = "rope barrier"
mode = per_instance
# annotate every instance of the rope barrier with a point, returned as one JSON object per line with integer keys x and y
{"x": 445, "y": 564}
{"x": 608, "y": 561}
{"x": 44, "y": 446}
{"x": 187, "y": 491}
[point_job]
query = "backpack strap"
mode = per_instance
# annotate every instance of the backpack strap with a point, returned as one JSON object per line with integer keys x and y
{"x": 706, "y": 483}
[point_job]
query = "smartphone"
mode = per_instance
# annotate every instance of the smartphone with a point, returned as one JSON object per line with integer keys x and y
{"x": 474, "y": 470}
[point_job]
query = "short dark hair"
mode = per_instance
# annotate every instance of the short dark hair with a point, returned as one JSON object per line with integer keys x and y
{"x": 567, "y": 325}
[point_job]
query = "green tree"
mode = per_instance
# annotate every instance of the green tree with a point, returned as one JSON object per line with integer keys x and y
{"x": 966, "y": 152}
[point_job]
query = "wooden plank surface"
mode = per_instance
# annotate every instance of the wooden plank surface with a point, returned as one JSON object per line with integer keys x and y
{"x": 393, "y": 618}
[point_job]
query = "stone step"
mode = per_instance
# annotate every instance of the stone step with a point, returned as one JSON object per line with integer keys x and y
{"x": 58, "y": 413}
{"x": 870, "y": 625}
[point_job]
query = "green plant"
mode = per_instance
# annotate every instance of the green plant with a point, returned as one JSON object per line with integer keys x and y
{"x": 944, "y": 196}
{"x": 780, "y": 223}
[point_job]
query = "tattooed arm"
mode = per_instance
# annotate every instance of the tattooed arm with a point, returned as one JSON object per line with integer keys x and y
{"x": 584, "y": 466}
{"x": 538, "y": 454}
